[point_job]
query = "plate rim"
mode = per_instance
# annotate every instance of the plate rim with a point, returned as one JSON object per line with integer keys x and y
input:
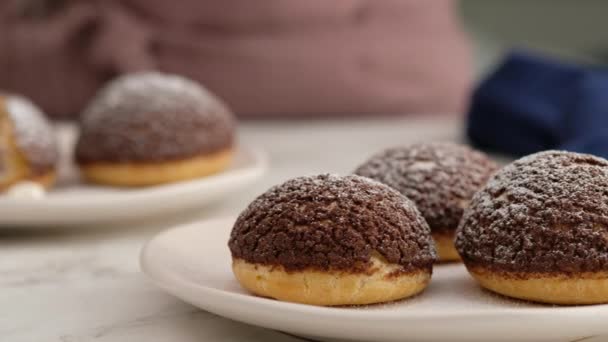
{"x": 257, "y": 167}
{"x": 348, "y": 313}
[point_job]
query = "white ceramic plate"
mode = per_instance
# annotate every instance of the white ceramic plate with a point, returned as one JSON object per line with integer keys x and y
{"x": 72, "y": 202}
{"x": 192, "y": 262}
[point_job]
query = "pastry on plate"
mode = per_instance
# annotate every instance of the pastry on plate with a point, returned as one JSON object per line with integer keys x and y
{"x": 332, "y": 240}
{"x": 152, "y": 128}
{"x": 439, "y": 177}
{"x": 539, "y": 230}
{"x": 28, "y": 146}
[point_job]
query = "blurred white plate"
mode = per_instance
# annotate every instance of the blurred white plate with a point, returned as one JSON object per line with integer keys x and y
{"x": 72, "y": 202}
{"x": 192, "y": 262}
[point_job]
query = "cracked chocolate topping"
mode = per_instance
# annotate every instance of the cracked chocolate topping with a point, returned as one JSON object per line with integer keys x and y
{"x": 544, "y": 213}
{"x": 330, "y": 222}
{"x": 34, "y": 136}
{"x": 147, "y": 117}
{"x": 439, "y": 177}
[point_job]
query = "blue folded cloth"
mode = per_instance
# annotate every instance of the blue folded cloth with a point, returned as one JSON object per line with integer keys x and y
{"x": 533, "y": 103}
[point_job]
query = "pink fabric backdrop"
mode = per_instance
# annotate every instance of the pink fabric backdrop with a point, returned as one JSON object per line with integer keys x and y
{"x": 265, "y": 57}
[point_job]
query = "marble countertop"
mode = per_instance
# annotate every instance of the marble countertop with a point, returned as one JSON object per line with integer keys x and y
{"x": 80, "y": 285}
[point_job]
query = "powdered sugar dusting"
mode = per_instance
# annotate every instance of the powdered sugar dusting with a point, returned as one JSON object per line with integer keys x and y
{"x": 153, "y": 116}
{"x": 547, "y": 212}
{"x": 330, "y": 221}
{"x": 151, "y": 92}
{"x": 33, "y": 133}
{"x": 439, "y": 177}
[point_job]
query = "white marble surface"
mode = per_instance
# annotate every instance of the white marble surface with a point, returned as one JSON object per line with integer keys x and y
{"x": 85, "y": 285}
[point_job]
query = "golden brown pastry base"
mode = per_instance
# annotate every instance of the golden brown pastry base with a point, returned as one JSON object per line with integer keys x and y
{"x": 46, "y": 180}
{"x": 143, "y": 174}
{"x": 444, "y": 243}
{"x": 330, "y": 288}
{"x": 585, "y": 288}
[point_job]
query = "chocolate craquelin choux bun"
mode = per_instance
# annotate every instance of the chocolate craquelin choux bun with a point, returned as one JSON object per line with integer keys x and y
{"x": 539, "y": 230}
{"x": 332, "y": 240}
{"x": 28, "y": 147}
{"x": 152, "y": 128}
{"x": 440, "y": 178}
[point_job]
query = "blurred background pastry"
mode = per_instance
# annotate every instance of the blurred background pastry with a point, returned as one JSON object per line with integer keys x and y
{"x": 153, "y": 128}
{"x": 28, "y": 147}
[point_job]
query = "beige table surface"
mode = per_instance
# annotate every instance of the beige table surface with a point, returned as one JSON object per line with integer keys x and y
{"x": 80, "y": 285}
